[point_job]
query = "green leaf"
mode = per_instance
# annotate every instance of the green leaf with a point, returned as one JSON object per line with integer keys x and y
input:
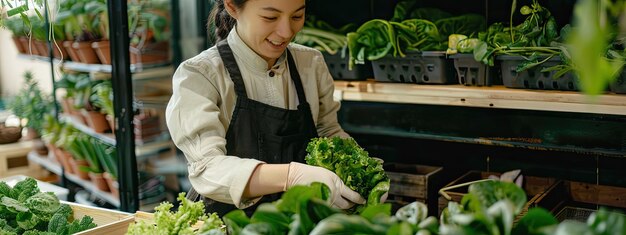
{"x": 402, "y": 228}
{"x": 17, "y": 10}
{"x": 235, "y": 221}
{"x": 268, "y": 213}
{"x": 260, "y": 229}
{"x": 13, "y": 205}
{"x": 607, "y": 222}
{"x": 490, "y": 192}
{"x": 347, "y": 224}
{"x": 413, "y": 213}
{"x": 532, "y": 221}
{"x": 372, "y": 211}
{"x": 27, "y": 220}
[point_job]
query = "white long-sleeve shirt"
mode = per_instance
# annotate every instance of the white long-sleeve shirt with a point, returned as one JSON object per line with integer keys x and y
{"x": 203, "y": 100}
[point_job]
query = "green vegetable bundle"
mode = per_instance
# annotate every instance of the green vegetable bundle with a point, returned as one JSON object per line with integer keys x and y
{"x": 180, "y": 221}
{"x": 352, "y": 164}
{"x": 24, "y": 209}
{"x": 324, "y": 37}
{"x": 535, "y": 38}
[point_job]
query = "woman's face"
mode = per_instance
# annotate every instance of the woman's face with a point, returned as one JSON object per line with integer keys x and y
{"x": 267, "y": 26}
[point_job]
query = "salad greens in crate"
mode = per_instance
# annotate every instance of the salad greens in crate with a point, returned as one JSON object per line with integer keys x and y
{"x": 24, "y": 209}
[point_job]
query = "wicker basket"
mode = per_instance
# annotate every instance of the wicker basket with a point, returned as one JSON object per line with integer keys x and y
{"x": 9, "y": 134}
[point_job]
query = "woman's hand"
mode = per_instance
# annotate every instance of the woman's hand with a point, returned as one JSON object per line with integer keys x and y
{"x": 341, "y": 196}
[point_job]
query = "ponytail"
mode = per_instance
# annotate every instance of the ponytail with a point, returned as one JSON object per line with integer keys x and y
{"x": 220, "y": 20}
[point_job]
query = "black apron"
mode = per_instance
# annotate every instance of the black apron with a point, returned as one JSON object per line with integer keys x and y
{"x": 260, "y": 131}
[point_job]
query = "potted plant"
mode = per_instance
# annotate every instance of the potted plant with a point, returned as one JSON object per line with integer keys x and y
{"x": 149, "y": 32}
{"x": 19, "y": 11}
{"x": 89, "y": 146}
{"x": 31, "y": 104}
{"x": 16, "y": 26}
{"x": 75, "y": 145}
{"x": 68, "y": 82}
{"x": 94, "y": 118}
{"x": 40, "y": 35}
{"x": 79, "y": 27}
{"x": 63, "y": 145}
{"x": 100, "y": 23}
{"x": 50, "y": 133}
{"x": 102, "y": 97}
{"x": 107, "y": 156}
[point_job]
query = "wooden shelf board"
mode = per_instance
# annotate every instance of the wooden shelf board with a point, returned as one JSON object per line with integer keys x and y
{"x": 485, "y": 97}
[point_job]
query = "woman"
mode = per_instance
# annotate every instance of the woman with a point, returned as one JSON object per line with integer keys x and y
{"x": 244, "y": 110}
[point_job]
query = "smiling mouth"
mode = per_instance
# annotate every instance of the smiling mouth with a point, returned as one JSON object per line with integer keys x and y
{"x": 275, "y": 43}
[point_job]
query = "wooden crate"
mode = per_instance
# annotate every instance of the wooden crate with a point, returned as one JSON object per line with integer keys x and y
{"x": 583, "y": 198}
{"x": 409, "y": 180}
{"x": 109, "y": 221}
{"x": 14, "y": 160}
{"x": 534, "y": 187}
{"x": 412, "y": 182}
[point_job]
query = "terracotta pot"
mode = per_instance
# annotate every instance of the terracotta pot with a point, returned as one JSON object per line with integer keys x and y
{"x": 103, "y": 51}
{"x": 20, "y": 48}
{"x": 76, "y": 164}
{"x": 85, "y": 53}
{"x": 150, "y": 53}
{"x": 98, "y": 180}
{"x": 71, "y": 51}
{"x": 29, "y": 46}
{"x": 64, "y": 157}
{"x": 42, "y": 48}
{"x": 96, "y": 121}
{"x": 111, "y": 120}
{"x": 60, "y": 52}
{"x": 112, "y": 183}
{"x": 52, "y": 149}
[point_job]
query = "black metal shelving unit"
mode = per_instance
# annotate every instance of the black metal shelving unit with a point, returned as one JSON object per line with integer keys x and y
{"x": 121, "y": 71}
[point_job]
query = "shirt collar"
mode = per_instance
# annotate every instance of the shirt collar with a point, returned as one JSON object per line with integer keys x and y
{"x": 250, "y": 58}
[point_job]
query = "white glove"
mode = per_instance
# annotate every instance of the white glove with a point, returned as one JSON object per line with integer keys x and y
{"x": 340, "y": 195}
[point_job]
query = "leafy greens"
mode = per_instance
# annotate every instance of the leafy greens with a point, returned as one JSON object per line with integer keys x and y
{"x": 352, "y": 164}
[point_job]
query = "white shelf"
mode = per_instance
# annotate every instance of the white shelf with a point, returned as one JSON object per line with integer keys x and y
{"x": 87, "y": 185}
{"x": 141, "y": 149}
{"x": 104, "y": 68}
{"x": 483, "y": 97}
{"x": 46, "y": 162}
{"x": 55, "y": 168}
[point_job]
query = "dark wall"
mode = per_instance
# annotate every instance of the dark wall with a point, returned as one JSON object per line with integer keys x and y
{"x": 341, "y": 12}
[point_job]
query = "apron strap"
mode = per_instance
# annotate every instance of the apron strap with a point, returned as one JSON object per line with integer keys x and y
{"x": 226, "y": 53}
{"x": 295, "y": 77}
{"x": 193, "y": 195}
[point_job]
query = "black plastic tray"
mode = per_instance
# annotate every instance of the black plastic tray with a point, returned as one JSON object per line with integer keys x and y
{"x": 338, "y": 68}
{"x": 473, "y": 73}
{"x": 429, "y": 67}
{"x": 533, "y": 78}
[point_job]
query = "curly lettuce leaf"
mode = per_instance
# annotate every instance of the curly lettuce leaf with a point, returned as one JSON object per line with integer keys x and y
{"x": 360, "y": 172}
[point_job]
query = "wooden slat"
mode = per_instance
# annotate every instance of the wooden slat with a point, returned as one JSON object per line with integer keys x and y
{"x": 108, "y": 221}
{"x": 485, "y": 97}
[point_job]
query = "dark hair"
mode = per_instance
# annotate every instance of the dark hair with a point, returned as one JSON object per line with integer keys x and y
{"x": 221, "y": 20}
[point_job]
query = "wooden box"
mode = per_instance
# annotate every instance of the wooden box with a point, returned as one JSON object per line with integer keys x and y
{"x": 577, "y": 200}
{"x": 109, "y": 221}
{"x": 14, "y": 160}
{"x": 409, "y": 180}
{"x": 412, "y": 182}
{"x": 534, "y": 187}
